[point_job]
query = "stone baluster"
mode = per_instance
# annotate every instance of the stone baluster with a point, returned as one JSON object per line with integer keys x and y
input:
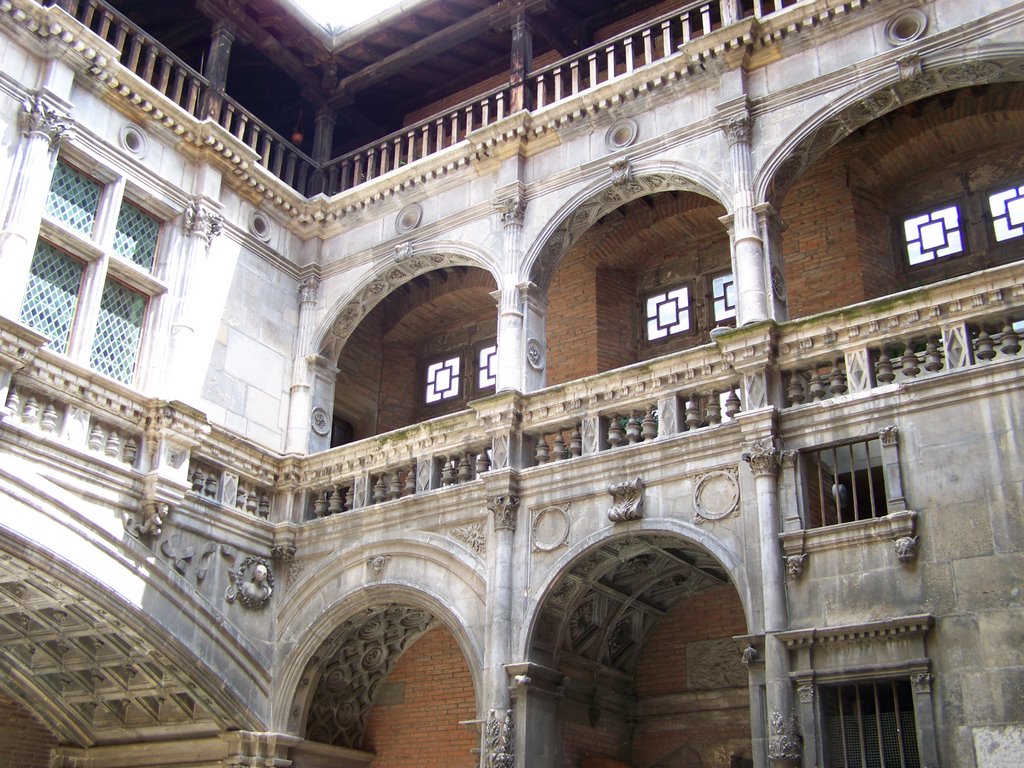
{"x": 43, "y": 124}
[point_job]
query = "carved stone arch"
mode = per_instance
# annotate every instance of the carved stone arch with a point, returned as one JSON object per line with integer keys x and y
{"x": 566, "y": 594}
{"x": 349, "y": 652}
{"x": 348, "y": 311}
{"x": 605, "y": 195}
{"x": 90, "y": 623}
{"x": 908, "y": 80}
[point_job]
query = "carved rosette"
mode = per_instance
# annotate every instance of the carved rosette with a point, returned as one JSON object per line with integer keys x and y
{"x": 40, "y": 119}
{"x": 309, "y": 290}
{"x": 498, "y": 739}
{"x": 763, "y": 457}
{"x": 512, "y": 210}
{"x": 252, "y": 583}
{"x": 784, "y": 740}
{"x": 505, "y": 510}
{"x": 628, "y": 499}
{"x": 202, "y": 222}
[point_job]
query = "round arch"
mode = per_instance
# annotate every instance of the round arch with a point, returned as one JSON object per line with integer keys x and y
{"x": 420, "y": 574}
{"x": 626, "y": 183}
{"x": 353, "y": 305}
{"x": 727, "y": 562}
{"x": 916, "y": 78}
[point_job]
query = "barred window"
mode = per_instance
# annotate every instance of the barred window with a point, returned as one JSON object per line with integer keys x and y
{"x": 870, "y": 725}
{"x": 845, "y": 483}
{"x": 73, "y": 296}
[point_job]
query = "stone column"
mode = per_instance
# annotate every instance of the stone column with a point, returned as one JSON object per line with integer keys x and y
{"x": 300, "y": 394}
{"x": 749, "y": 263}
{"x": 512, "y": 210}
{"x": 42, "y": 127}
{"x": 202, "y": 223}
{"x": 765, "y": 461}
{"x": 504, "y": 516}
{"x": 216, "y": 69}
{"x": 535, "y": 314}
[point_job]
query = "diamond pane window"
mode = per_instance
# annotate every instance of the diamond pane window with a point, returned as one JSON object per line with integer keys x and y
{"x": 668, "y": 313}
{"x": 1007, "y": 213}
{"x": 118, "y": 332}
{"x": 723, "y": 295}
{"x": 136, "y": 235}
{"x": 487, "y": 361}
{"x": 52, "y": 294}
{"x": 443, "y": 380}
{"x": 73, "y": 199}
{"x": 933, "y": 235}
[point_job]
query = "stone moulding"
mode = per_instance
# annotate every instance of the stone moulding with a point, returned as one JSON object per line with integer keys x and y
{"x": 892, "y": 526}
{"x": 870, "y": 631}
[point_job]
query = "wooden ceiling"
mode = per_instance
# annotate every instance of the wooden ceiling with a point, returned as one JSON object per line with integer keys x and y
{"x": 379, "y": 73}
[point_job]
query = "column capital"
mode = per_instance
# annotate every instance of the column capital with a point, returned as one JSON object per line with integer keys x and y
{"x": 309, "y": 290}
{"x": 512, "y": 209}
{"x": 506, "y": 512}
{"x": 38, "y": 118}
{"x": 739, "y": 130}
{"x": 202, "y": 221}
{"x": 763, "y": 457}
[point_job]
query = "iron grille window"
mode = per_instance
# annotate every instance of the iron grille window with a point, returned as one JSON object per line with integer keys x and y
{"x": 870, "y": 725}
{"x": 71, "y": 295}
{"x": 844, "y": 483}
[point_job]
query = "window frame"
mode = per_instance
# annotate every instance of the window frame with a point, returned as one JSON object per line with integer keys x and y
{"x": 961, "y": 204}
{"x": 102, "y": 263}
{"x": 469, "y": 389}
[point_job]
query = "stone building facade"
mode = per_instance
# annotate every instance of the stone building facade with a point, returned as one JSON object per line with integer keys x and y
{"x": 658, "y": 407}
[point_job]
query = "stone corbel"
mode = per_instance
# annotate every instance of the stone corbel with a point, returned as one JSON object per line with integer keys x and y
{"x": 795, "y": 565}
{"x": 628, "y": 499}
{"x": 147, "y": 523}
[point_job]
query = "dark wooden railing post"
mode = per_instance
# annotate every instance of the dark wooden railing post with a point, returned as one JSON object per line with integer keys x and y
{"x": 522, "y": 59}
{"x": 217, "y": 68}
{"x": 323, "y": 145}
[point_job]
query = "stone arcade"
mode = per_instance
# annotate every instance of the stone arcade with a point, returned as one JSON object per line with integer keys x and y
{"x": 570, "y": 383}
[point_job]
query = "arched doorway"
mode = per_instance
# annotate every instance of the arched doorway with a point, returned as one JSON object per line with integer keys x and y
{"x": 642, "y": 627}
{"x": 392, "y": 680}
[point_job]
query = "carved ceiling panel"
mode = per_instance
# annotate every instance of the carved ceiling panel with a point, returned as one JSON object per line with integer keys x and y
{"x": 601, "y": 610}
{"x": 92, "y": 676}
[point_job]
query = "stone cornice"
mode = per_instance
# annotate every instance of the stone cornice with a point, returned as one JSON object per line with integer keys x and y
{"x": 866, "y": 632}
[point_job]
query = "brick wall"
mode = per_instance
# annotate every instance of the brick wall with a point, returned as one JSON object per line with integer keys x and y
{"x": 427, "y": 694}
{"x": 24, "y": 741}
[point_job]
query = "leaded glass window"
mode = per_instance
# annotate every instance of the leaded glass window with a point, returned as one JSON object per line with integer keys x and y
{"x": 136, "y": 235}
{"x": 933, "y": 235}
{"x": 443, "y": 380}
{"x": 1007, "y": 209}
{"x": 52, "y": 294}
{"x": 668, "y": 313}
{"x": 115, "y": 346}
{"x": 74, "y": 199}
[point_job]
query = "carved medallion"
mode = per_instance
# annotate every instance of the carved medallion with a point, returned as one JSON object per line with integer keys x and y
{"x": 715, "y": 496}
{"x": 551, "y": 528}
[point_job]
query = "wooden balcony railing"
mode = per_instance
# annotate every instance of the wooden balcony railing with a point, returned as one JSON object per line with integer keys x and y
{"x": 632, "y": 50}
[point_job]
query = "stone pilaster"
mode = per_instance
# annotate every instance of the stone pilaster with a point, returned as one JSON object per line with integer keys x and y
{"x": 765, "y": 461}
{"x": 43, "y": 126}
{"x": 504, "y": 516}
{"x": 512, "y": 211}
{"x": 300, "y": 394}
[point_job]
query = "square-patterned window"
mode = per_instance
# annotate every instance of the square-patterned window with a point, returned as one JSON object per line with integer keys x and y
{"x": 723, "y": 299}
{"x": 487, "y": 367}
{"x": 933, "y": 235}
{"x": 444, "y": 380}
{"x": 667, "y": 313}
{"x": 1007, "y": 207}
{"x": 90, "y": 295}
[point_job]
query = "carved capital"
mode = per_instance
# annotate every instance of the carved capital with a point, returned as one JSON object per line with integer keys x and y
{"x": 283, "y": 552}
{"x": 309, "y": 290}
{"x": 512, "y": 210}
{"x": 739, "y": 130}
{"x": 921, "y": 682}
{"x": 40, "y": 119}
{"x": 203, "y": 222}
{"x": 506, "y": 512}
{"x": 628, "y": 499}
{"x": 498, "y": 739}
{"x": 763, "y": 457}
{"x": 889, "y": 435}
{"x": 749, "y": 656}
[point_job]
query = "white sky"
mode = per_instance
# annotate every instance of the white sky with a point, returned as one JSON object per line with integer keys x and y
{"x": 344, "y": 13}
